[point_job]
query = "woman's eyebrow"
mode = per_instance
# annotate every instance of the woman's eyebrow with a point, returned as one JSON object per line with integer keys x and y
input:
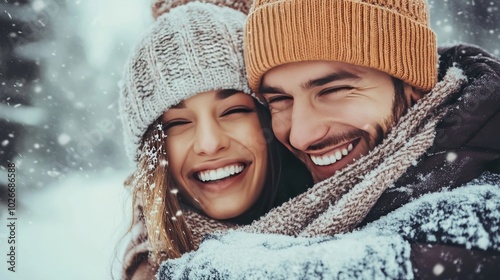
{"x": 221, "y": 94}
{"x": 179, "y": 105}
{"x": 225, "y": 93}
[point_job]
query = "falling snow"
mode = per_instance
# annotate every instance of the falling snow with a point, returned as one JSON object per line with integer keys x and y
{"x": 68, "y": 115}
{"x": 451, "y": 157}
{"x": 438, "y": 269}
{"x": 38, "y": 5}
{"x": 63, "y": 139}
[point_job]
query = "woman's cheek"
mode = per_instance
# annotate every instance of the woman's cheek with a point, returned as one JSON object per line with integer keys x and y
{"x": 252, "y": 137}
{"x": 176, "y": 155}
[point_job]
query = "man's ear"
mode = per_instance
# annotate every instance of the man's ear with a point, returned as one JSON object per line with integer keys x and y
{"x": 412, "y": 94}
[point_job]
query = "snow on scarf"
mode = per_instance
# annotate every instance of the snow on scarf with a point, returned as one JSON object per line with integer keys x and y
{"x": 339, "y": 203}
{"x": 468, "y": 216}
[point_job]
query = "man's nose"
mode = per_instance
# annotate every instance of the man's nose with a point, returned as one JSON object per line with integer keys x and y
{"x": 307, "y": 126}
{"x": 210, "y": 138}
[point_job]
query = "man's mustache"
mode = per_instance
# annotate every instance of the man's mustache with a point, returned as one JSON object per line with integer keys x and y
{"x": 334, "y": 140}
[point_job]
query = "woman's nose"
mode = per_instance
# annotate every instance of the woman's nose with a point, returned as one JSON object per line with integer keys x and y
{"x": 210, "y": 138}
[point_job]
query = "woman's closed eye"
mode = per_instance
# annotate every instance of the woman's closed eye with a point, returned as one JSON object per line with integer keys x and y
{"x": 237, "y": 110}
{"x": 174, "y": 123}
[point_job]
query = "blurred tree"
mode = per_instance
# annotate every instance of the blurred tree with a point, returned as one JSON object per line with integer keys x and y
{"x": 16, "y": 74}
{"x": 66, "y": 111}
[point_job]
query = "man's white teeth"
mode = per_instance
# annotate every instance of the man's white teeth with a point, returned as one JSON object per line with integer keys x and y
{"x": 333, "y": 158}
{"x": 219, "y": 173}
{"x": 338, "y": 155}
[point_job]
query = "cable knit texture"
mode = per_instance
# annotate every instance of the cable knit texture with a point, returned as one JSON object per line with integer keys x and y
{"x": 191, "y": 49}
{"x": 392, "y": 36}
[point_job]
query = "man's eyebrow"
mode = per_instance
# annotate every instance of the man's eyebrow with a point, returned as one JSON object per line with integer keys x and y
{"x": 337, "y": 76}
{"x": 269, "y": 90}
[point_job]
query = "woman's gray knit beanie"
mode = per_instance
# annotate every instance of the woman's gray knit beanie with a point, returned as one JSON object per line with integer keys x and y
{"x": 193, "y": 48}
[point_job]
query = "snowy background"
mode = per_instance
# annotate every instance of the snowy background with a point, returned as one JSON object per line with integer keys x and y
{"x": 60, "y": 62}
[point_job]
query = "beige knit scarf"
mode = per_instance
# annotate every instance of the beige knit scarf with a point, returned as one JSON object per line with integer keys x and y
{"x": 339, "y": 203}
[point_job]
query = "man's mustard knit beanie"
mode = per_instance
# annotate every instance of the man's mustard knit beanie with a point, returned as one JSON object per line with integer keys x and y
{"x": 392, "y": 36}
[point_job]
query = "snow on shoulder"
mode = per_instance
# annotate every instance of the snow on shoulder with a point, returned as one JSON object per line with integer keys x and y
{"x": 466, "y": 216}
{"x": 240, "y": 255}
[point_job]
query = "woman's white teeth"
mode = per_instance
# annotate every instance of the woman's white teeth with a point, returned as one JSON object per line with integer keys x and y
{"x": 219, "y": 173}
{"x": 333, "y": 158}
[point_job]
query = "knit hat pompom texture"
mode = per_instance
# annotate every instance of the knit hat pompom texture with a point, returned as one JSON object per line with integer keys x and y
{"x": 160, "y": 7}
{"x": 194, "y": 48}
{"x": 392, "y": 36}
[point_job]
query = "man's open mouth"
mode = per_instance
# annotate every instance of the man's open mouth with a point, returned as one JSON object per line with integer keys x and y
{"x": 335, "y": 155}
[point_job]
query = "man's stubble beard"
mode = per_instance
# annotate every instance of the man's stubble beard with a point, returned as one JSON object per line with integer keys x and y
{"x": 399, "y": 108}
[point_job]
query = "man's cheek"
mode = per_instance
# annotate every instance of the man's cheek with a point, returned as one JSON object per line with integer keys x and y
{"x": 281, "y": 127}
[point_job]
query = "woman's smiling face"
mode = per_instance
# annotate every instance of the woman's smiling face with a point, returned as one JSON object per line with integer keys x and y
{"x": 217, "y": 151}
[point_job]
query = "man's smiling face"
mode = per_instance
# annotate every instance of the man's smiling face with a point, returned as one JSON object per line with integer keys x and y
{"x": 331, "y": 113}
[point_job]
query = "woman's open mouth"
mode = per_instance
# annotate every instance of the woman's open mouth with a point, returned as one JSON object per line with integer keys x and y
{"x": 217, "y": 175}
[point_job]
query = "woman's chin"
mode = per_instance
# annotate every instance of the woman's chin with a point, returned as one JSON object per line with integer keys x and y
{"x": 223, "y": 214}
